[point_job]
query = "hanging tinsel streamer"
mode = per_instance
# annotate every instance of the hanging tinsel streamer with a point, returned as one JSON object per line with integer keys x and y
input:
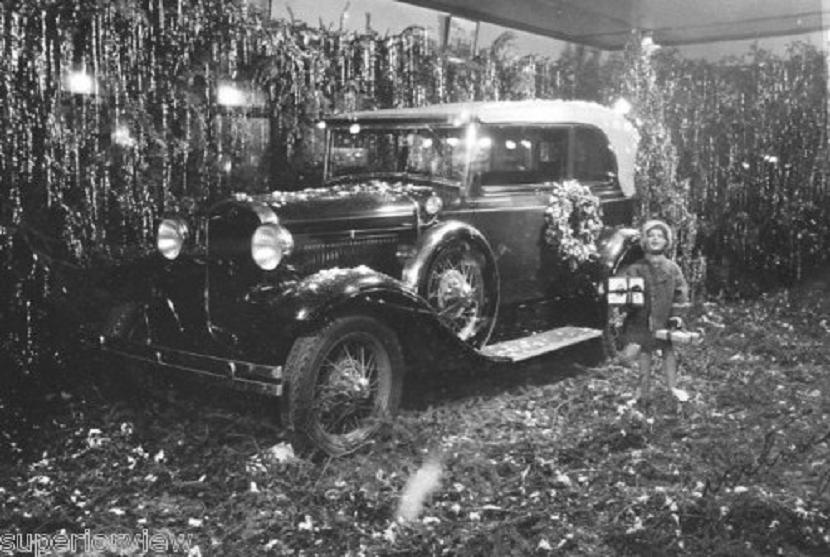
{"x": 439, "y": 78}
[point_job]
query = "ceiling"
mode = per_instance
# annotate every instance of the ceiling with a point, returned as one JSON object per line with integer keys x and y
{"x": 608, "y": 24}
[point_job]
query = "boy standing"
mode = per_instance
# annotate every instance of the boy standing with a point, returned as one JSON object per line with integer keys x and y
{"x": 666, "y": 301}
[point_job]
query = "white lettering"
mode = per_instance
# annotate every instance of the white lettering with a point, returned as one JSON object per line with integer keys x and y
{"x": 40, "y": 544}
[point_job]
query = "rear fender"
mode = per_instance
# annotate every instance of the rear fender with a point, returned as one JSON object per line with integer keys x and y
{"x": 437, "y": 236}
{"x": 617, "y": 247}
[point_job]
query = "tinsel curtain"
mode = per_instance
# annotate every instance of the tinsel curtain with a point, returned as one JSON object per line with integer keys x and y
{"x": 741, "y": 148}
{"x": 751, "y": 134}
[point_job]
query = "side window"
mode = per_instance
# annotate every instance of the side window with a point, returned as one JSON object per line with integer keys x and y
{"x": 593, "y": 159}
{"x": 553, "y": 154}
{"x": 510, "y": 154}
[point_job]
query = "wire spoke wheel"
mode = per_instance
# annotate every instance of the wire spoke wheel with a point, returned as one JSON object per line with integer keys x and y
{"x": 342, "y": 381}
{"x": 348, "y": 389}
{"x": 455, "y": 287}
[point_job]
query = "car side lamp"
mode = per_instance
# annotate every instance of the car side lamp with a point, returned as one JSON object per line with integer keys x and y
{"x": 433, "y": 205}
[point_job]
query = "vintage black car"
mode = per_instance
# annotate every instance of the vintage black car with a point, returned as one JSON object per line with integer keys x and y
{"x": 429, "y": 226}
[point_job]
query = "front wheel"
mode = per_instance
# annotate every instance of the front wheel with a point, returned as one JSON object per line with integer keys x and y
{"x": 342, "y": 381}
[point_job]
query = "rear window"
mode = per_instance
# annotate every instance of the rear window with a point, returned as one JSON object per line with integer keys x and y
{"x": 593, "y": 159}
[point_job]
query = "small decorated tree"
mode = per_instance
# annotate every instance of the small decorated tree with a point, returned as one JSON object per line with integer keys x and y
{"x": 661, "y": 193}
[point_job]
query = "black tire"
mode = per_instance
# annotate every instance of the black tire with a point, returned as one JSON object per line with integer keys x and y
{"x": 336, "y": 400}
{"x": 461, "y": 284}
{"x": 612, "y": 317}
{"x": 130, "y": 380}
{"x": 121, "y": 321}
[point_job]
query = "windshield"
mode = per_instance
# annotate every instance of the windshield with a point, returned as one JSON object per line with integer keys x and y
{"x": 430, "y": 152}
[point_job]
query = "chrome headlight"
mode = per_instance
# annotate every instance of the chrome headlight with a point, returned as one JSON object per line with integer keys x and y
{"x": 433, "y": 205}
{"x": 269, "y": 244}
{"x": 170, "y": 237}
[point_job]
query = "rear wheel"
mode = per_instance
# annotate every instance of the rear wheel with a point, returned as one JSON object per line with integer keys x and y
{"x": 461, "y": 285}
{"x": 613, "y": 318}
{"x": 612, "y": 334}
{"x": 342, "y": 381}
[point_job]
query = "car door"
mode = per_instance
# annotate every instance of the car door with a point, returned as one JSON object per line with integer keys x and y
{"x": 512, "y": 185}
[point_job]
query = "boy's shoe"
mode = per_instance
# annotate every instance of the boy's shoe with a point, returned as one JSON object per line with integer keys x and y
{"x": 628, "y": 355}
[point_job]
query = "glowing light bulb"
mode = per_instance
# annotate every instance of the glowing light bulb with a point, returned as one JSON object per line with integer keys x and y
{"x": 648, "y": 46}
{"x": 80, "y": 83}
{"x": 121, "y": 136}
{"x": 622, "y": 107}
{"x": 230, "y": 95}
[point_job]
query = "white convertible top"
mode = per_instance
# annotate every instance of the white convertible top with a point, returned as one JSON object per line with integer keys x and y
{"x": 621, "y": 133}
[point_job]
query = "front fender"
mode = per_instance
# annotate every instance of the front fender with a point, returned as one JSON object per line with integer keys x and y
{"x": 169, "y": 297}
{"x": 308, "y": 302}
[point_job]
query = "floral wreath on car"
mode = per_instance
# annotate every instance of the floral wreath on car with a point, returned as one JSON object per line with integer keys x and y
{"x": 573, "y": 222}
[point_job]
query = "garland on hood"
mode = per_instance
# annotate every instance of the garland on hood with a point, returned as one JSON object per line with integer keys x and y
{"x": 337, "y": 191}
{"x": 573, "y": 222}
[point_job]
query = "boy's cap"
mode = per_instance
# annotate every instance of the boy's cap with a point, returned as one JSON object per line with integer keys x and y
{"x": 655, "y": 223}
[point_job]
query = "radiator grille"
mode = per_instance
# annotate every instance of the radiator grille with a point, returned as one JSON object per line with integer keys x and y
{"x": 376, "y": 251}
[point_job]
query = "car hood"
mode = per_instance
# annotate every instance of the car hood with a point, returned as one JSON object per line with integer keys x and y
{"x": 347, "y": 202}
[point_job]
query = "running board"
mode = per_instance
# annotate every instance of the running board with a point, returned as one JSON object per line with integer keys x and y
{"x": 537, "y": 344}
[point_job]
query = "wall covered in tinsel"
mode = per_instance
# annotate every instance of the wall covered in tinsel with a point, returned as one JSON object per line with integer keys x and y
{"x": 734, "y": 154}
{"x": 751, "y": 135}
{"x": 110, "y": 117}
